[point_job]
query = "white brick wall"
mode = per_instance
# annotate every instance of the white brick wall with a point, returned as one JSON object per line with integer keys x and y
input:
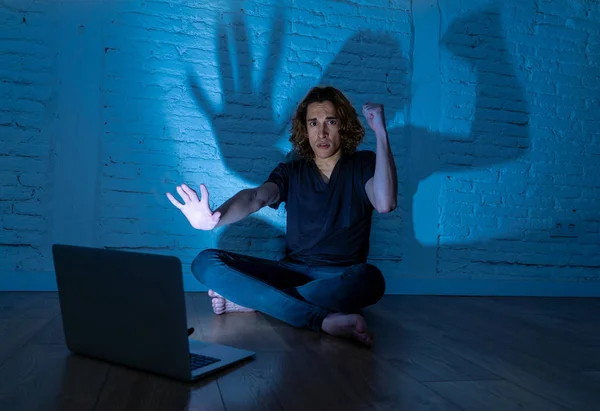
{"x": 493, "y": 125}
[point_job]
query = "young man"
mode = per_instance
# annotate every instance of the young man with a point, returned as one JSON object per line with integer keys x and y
{"x": 330, "y": 192}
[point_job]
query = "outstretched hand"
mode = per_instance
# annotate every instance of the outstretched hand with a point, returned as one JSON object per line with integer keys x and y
{"x": 373, "y": 112}
{"x": 196, "y": 210}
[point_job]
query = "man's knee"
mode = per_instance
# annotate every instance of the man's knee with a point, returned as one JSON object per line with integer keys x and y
{"x": 372, "y": 279}
{"x": 203, "y": 262}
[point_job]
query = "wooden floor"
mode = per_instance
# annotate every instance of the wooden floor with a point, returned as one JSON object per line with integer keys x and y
{"x": 431, "y": 353}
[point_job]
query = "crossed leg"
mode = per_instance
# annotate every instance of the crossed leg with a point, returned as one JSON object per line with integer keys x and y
{"x": 288, "y": 294}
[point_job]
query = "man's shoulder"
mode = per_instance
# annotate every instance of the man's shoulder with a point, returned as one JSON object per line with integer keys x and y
{"x": 290, "y": 165}
{"x": 292, "y": 160}
{"x": 365, "y": 153}
{"x": 292, "y": 156}
{"x": 364, "y": 156}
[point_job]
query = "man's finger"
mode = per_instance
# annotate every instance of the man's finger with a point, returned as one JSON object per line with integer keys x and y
{"x": 185, "y": 196}
{"x": 206, "y": 204}
{"x": 190, "y": 192}
{"x": 174, "y": 201}
{"x": 204, "y": 192}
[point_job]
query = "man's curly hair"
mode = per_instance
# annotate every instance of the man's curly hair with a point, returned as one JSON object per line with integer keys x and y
{"x": 350, "y": 128}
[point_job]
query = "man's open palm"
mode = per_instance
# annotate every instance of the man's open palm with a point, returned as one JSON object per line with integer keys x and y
{"x": 196, "y": 210}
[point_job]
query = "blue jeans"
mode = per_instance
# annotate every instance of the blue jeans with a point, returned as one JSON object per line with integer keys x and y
{"x": 300, "y": 295}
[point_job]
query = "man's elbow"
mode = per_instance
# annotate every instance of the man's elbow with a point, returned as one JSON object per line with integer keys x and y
{"x": 262, "y": 198}
{"x": 386, "y": 207}
{"x": 256, "y": 202}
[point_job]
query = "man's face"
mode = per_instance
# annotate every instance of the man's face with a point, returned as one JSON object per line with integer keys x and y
{"x": 322, "y": 127}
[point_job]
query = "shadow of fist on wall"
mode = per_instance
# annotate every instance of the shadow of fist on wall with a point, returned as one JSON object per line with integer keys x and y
{"x": 499, "y": 114}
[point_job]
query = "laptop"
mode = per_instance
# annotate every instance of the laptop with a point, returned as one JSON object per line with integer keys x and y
{"x": 128, "y": 308}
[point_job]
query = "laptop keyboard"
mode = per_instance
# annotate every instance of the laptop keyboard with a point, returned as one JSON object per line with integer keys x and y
{"x": 199, "y": 361}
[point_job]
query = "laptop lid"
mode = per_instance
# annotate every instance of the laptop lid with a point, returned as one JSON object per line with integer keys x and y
{"x": 124, "y": 307}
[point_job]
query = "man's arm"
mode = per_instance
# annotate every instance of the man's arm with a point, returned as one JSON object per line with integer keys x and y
{"x": 382, "y": 188}
{"x": 246, "y": 202}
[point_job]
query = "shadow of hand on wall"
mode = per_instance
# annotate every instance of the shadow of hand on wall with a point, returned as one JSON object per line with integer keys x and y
{"x": 245, "y": 128}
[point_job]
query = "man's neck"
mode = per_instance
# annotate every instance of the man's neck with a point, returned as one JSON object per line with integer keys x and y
{"x": 326, "y": 165}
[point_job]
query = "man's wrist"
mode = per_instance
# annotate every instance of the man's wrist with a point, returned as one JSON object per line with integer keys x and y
{"x": 381, "y": 134}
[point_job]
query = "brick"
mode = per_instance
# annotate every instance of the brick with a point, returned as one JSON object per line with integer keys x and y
{"x": 528, "y": 201}
{"x": 590, "y": 192}
{"x": 575, "y": 102}
{"x": 143, "y": 173}
{"x": 34, "y": 208}
{"x": 16, "y": 193}
{"x": 455, "y": 208}
{"x": 563, "y": 58}
{"x": 572, "y": 180}
{"x": 492, "y": 199}
{"x": 501, "y": 211}
{"x": 452, "y": 184}
{"x": 565, "y": 149}
{"x": 469, "y": 220}
{"x": 562, "y": 33}
{"x": 564, "y": 169}
{"x": 342, "y": 8}
{"x": 337, "y": 33}
{"x": 455, "y": 231}
{"x": 552, "y": 123}
{"x": 576, "y": 204}
{"x": 574, "y": 91}
{"x": 33, "y": 179}
{"x": 8, "y": 178}
{"x": 548, "y": 101}
{"x": 580, "y": 115}
{"x": 510, "y": 176}
{"x": 551, "y": 191}
{"x": 23, "y": 222}
{"x": 302, "y": 42}
{"x": 556, "y": 78}
{"x": 24, "y": 150}
{"x": 461, "y": 198}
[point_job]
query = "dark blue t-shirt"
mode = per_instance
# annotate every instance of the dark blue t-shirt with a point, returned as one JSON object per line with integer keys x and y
{"x": 328, "y": 223}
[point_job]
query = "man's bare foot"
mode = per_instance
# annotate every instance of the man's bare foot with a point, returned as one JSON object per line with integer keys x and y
{"x": 351, "y": 326}
{"x": 221, "y": 305}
